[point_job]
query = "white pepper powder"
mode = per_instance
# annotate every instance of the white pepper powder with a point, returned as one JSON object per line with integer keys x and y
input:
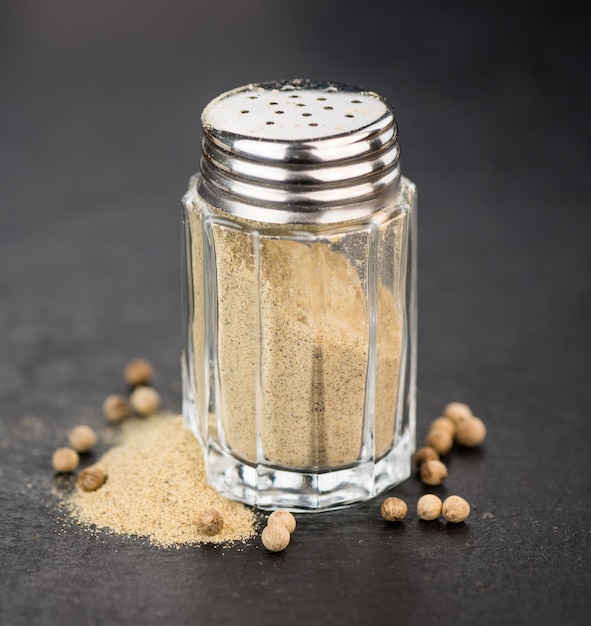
{"x": 157, "y": 489}
{"x": 312, "y": 344}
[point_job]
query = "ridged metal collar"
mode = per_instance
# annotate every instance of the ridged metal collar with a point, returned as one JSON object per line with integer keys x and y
{"x": 299, "y": 151}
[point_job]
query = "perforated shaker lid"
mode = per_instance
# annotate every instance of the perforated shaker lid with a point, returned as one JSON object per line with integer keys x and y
{"x": 299, "y": 151}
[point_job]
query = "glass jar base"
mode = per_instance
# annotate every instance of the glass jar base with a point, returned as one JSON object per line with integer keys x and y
{"x": 269, "y": 488}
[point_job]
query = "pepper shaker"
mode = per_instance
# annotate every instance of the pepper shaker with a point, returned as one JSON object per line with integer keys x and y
{"x": 299, "y": 363}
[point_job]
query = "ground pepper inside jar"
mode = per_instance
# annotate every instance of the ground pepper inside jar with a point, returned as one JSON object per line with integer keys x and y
{"x": 313, "y": 356}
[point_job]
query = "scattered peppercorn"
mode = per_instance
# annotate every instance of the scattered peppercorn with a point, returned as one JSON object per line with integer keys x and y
{"x": 471, "y": 432}
{"x": 82, "y": 438}
{"x": 394, "y": 509}
{"x": 275, "y": 537}
{"x": 429, "y": 507}
{"x": 426, "y": 453}
{"x": 210, "y": 522}
{"x": 91, "y": 478}
{"x": 138, "y": 372}
{"x": 145, "y": 400}
{"x": 116, "y": 408}
{"x": 65, "y": 460}
{"x": 440, "y": 439}
{"x": 433, "y": 472}
{"x": 455, "y": 509}
{"x": 457, "y": 411}
{"x": 443, "y": 423}
{"x": 285, "y": 518}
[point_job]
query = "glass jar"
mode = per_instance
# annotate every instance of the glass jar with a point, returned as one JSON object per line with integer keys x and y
{"x": 300, "y": 319}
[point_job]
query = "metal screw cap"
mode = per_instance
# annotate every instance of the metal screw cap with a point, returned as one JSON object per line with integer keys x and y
{"x": 299, "y": 151}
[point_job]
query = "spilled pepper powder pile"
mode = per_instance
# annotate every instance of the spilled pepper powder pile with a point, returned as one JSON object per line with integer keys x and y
{"x": 156, "y": 488}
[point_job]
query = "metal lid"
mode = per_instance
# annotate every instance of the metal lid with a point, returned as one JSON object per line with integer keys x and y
{"x": 299, "y": 151}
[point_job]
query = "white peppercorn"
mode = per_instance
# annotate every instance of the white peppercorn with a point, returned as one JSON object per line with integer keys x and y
{"x": 91, "y": 478}
{"x": 433, "y": 472}
{"x": 285, "y": 518}
{"x": 82, "y": 438}
{"x": 275, "y": 537}
{"x": 145, "y": 400}
{"x": 426, "y": 453}
{"x": 138, "y": 372}
{"x": 440, "y": 439}
{"x": 457, "y": 411}
{"x": 443, "y": 423}
{"x": 116, "y": 408}
{"x": 471, "y": 432}
{"x": 429, "y": 507}
{"x": 210, "y": 522}
{"x": 394, "y": 509}
{"x": 65, "y": 460}
{"x": 455, "y": 509}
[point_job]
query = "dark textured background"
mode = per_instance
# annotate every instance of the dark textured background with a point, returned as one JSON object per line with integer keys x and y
{"x": 99, "y": 112}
